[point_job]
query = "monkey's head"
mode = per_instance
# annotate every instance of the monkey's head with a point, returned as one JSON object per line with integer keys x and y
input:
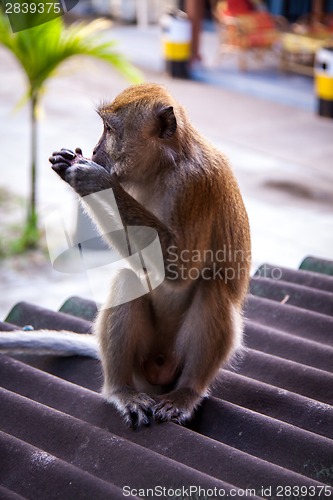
{"x": 141, "y": 132}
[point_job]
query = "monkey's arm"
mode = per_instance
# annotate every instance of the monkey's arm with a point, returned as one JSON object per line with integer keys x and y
{"x": 88, "y": 178}
{"x": 58, "y": 343}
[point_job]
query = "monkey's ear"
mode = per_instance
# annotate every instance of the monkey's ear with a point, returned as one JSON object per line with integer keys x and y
{"x": 167, "y": 123}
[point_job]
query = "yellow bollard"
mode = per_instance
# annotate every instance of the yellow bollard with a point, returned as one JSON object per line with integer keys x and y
{"x": 324, "y": 81}
{"x": 176, "y": 40}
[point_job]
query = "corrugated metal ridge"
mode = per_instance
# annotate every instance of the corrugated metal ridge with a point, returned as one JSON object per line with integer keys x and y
{"x": 45, "y": 469}
{"x": 309, "y": 279}
{"x": 293, "y": 294}
{"x": 285, "y": 345}
{"x": 268, "y": 424}
{"x": 317, "y": 265}
{"x": 168, "y": 440}
{"x": 290, "y": 375}
{"x": 24, "y": 313}
{"x": 290, "y": 319}
{"x": 108, "y": 447}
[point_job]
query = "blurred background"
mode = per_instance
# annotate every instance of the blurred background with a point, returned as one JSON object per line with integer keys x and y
{"x": 255, "y": 76}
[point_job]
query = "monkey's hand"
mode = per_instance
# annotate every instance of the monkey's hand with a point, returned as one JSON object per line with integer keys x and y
{"x": 83, "y": 175}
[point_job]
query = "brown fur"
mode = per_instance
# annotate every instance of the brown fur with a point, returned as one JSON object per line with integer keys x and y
{"x": 165, "y": 175}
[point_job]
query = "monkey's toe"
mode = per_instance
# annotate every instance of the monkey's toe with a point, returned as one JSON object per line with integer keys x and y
{"x": 137, "y": 418}
{"x": 138, "y": 410}
{"x": 166, "y": 411}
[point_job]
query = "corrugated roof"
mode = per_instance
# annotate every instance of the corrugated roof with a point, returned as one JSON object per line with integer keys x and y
{"x": 267, "y": 424}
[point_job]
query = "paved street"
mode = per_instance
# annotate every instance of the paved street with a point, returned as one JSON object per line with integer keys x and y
{"x": 282, "y": 156}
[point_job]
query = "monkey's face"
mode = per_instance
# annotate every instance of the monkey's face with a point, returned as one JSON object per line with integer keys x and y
{"x": 108, "y": 150}
{"x": 135, "y": 134}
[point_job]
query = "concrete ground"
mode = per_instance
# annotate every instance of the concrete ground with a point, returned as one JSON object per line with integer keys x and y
{"x": 281, "y": 152}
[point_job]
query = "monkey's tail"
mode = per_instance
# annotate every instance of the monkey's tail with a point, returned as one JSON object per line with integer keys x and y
{"x": 62, "y": 343}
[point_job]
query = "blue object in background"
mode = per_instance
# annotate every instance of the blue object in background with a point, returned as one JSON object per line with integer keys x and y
{"x": 294, "y": 10}
{"x": 329, "y": 6}
{"x": 276, "y": 7}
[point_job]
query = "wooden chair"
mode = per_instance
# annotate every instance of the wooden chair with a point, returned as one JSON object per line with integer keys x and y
{"x": 245, "y": 27}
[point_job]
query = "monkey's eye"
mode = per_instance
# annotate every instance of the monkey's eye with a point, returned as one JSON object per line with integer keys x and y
{"x": 107, "y": 127}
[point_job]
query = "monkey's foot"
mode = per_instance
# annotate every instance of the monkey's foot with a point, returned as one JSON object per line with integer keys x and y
{"x": 177, "y": 406}
{"x": 136, "y": 408}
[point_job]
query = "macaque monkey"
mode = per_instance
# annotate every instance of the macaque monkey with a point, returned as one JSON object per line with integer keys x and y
{"x": 161, "y": 352}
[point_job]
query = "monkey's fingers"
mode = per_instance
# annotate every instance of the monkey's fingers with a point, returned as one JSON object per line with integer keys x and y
{"x": 57, "y": 158}
{"x": 78, "y": 151}
{"x": 60, "y": 169}
{"x": 63, "y": 156}
{"x": 67, "y": 154}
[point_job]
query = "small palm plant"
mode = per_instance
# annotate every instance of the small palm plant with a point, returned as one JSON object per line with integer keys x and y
{"x": 40, "y": 51}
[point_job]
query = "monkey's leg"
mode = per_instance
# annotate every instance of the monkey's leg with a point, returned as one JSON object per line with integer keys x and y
{"x": 125, "y": 334}
{"x": 210, "y": 334}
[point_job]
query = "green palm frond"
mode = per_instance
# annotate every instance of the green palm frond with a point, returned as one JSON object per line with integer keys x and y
{"x": 41, "y": 50}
